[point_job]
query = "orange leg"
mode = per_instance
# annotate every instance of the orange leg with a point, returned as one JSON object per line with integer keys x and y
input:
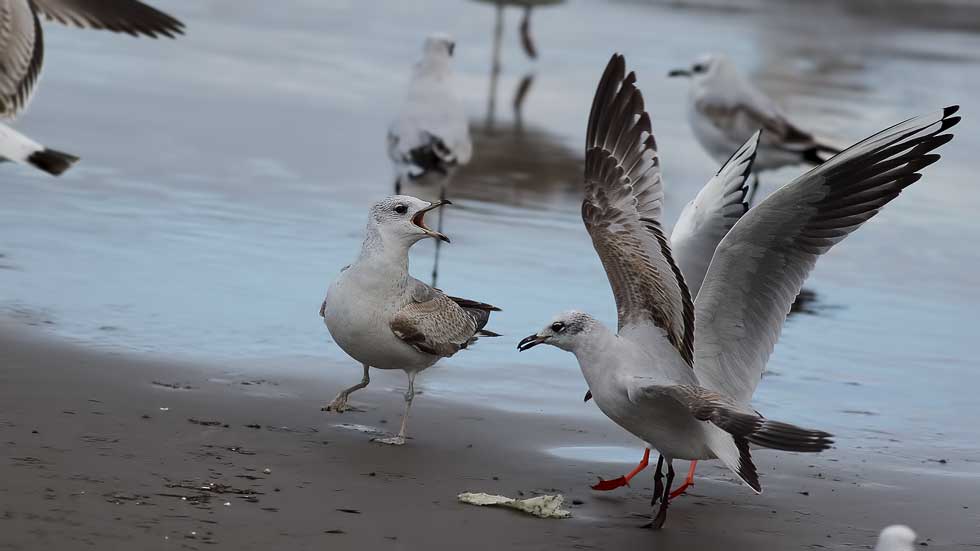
{"x": 606, "y": 485}
{"x": 688, "y": 482}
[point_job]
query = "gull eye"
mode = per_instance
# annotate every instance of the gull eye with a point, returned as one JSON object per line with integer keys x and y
{"x": 401, "y": 209}
{"x": 699, "y": 68}
{"x": 558, "y": 327}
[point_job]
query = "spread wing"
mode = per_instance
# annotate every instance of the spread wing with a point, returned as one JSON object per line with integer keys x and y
{"x": 759, "y": 267}
{"x": 437, "y": 324}
{"x": 622, "y": 212}
{"x": 21, "y": 55}
{"x": 121, "y": 16}
{"x": 706, "y": 220}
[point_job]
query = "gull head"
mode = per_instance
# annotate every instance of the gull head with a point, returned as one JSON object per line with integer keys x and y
{"x": 704, "y": 68}
{"x": 896, "y": 537}
{"x": 567, "y": 331}
{"x": 401, "y": 219}
{"x": 439, "y": 45}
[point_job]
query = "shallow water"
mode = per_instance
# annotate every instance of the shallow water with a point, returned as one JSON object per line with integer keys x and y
{"x": 226, "y": 176}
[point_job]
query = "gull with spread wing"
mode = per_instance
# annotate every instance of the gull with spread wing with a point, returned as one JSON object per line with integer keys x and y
{"x": 724, "y": 108}
{"x": 384, "y": 318}
{"x": 703, "y": 222}
{"x": 22, "y": 55}
{"x": 678, "y": 374}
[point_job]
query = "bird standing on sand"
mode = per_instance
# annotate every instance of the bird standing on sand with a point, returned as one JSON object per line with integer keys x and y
{"x": 680, "y": 375}
{"x": 724, "y": 109}
{"x": 430, "y": 137}
{"x": 22, "y": 55}
{"x": 383, "y": 317}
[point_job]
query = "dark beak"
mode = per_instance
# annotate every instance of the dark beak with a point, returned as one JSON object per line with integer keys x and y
{"x": 679, "y": 73}
{"x": 530, "y": 342}
{"x": 419, "y": 220}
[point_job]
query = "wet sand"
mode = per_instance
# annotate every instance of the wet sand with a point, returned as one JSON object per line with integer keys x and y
{"x": 91, "y": 460}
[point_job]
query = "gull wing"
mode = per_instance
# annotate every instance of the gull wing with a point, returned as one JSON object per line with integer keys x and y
{"x": 437, "y": 324}
{"x": 759, "y": 267}
{"x": 121, "y": 16}
{"x": 622, "y": 212}
{"x": 706, "y": 220}
{"x": 21, "y": 56}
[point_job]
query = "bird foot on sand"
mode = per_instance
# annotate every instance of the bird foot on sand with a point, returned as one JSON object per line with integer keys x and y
{"x": 607, "y": 485}
{"x": 339, "y": 406}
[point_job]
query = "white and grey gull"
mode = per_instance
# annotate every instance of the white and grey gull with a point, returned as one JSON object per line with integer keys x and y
{"x": 430, "y": 137}
{"x": 383, "y": 317}
{"x": 724, "y": 109}
{"x": 678, "y": 374}
{"x": 22, "y": 56}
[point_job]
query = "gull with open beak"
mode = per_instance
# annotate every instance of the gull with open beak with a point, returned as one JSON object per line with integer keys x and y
{"x": 383, "y": 317}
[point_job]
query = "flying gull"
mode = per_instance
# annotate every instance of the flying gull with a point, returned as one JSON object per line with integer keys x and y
{"x": 430, "y": 137}
{"x": 386, "y": 319}
{"x": 22, "y": 55}
{"x": 724, "y": 109}
{"x": 680, "y": 375}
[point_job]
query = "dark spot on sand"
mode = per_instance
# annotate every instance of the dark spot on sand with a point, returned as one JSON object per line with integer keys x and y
{"x": 69, "y": 412}
{"x": 205, "y": 423}
{"x": 350, "y": 511}
{"x": 253, "y": 426}
{"x": 940, "y": 461}
{"x": 372, "y": 474}
{"x": 334, "y": 532}
{"x": 34, "y": 432}
{"x": 145, "y": 416}
{"x": 271, "y": 509}
{"x": 577, "y": 502}
{"x": 804, "y": 493}
{"x": 173, "y": 386}
{"x": 496, "y": 478}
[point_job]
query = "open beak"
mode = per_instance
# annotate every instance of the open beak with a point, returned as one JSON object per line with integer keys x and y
{"x": 679, "y": 73}
{"x": 419, "y": 220}
{"x": 530, "y": 342}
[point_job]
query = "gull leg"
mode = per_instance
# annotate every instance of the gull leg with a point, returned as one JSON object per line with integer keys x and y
{"x": 688, "y": 481}
{"x": 402, "y": 434}
{"x": 658, "y": 521}
{"x": 658, "y": 482}
{"x": 435, "y": 260}
{"x": 398, "y": 185}
{"x": 606, "y": 485}
{"x": 339, "y": 404}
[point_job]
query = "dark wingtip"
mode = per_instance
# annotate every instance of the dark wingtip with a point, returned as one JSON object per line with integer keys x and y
{"x": 949, "y": 123}
{"x": 950, "y": 110}
{"x": 52, "y": 161}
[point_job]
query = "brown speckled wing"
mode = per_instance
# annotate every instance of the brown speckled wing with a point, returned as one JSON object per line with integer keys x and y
{"x": 21, "y": 55}
{"x": 622, "y": 211}
{"x": 437, "y": 324}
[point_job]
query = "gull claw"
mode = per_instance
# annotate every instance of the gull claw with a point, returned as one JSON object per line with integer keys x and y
{"x": 607, "y": 485}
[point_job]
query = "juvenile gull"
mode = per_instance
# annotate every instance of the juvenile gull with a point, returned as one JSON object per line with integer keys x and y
{"x": 703, "y": 222}
{"x": 724, "y": 109}
{"x": 22, "y": 55}
{"x": 430, "y": 137}
{"x": 681, "y": 375}
{"x": 386, "y": 319}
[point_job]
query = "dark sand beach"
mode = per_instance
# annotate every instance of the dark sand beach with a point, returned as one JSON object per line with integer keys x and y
{"x": 91, "y": 459}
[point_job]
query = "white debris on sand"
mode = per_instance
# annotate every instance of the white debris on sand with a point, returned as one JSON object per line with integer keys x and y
{"x": 546, "y": 506}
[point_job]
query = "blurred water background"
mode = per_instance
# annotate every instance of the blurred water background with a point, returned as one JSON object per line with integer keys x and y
{"x": 226, "y": 176}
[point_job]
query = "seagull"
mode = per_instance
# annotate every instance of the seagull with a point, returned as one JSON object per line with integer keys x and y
{"x": 896, "y": 537}
{"x": 22, "y": 55}
{"x": 678, "y": 374}
{"x": 703, "y": 222}
{"x": 384, "y": 318}
{"x": 724, "y": 109}
{"x": 430, "y": 137}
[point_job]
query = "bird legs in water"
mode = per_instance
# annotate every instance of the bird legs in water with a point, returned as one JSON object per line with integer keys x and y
{"x": 661, "y": 492}
{"x": 403, "y": 433}
{"x": 339, "y": 404}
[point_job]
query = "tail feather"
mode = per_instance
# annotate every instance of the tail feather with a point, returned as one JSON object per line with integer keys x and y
{"x": 783, "y": 436}
{"x": 52, "y": 161}
{"x": 733, "y": 451}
